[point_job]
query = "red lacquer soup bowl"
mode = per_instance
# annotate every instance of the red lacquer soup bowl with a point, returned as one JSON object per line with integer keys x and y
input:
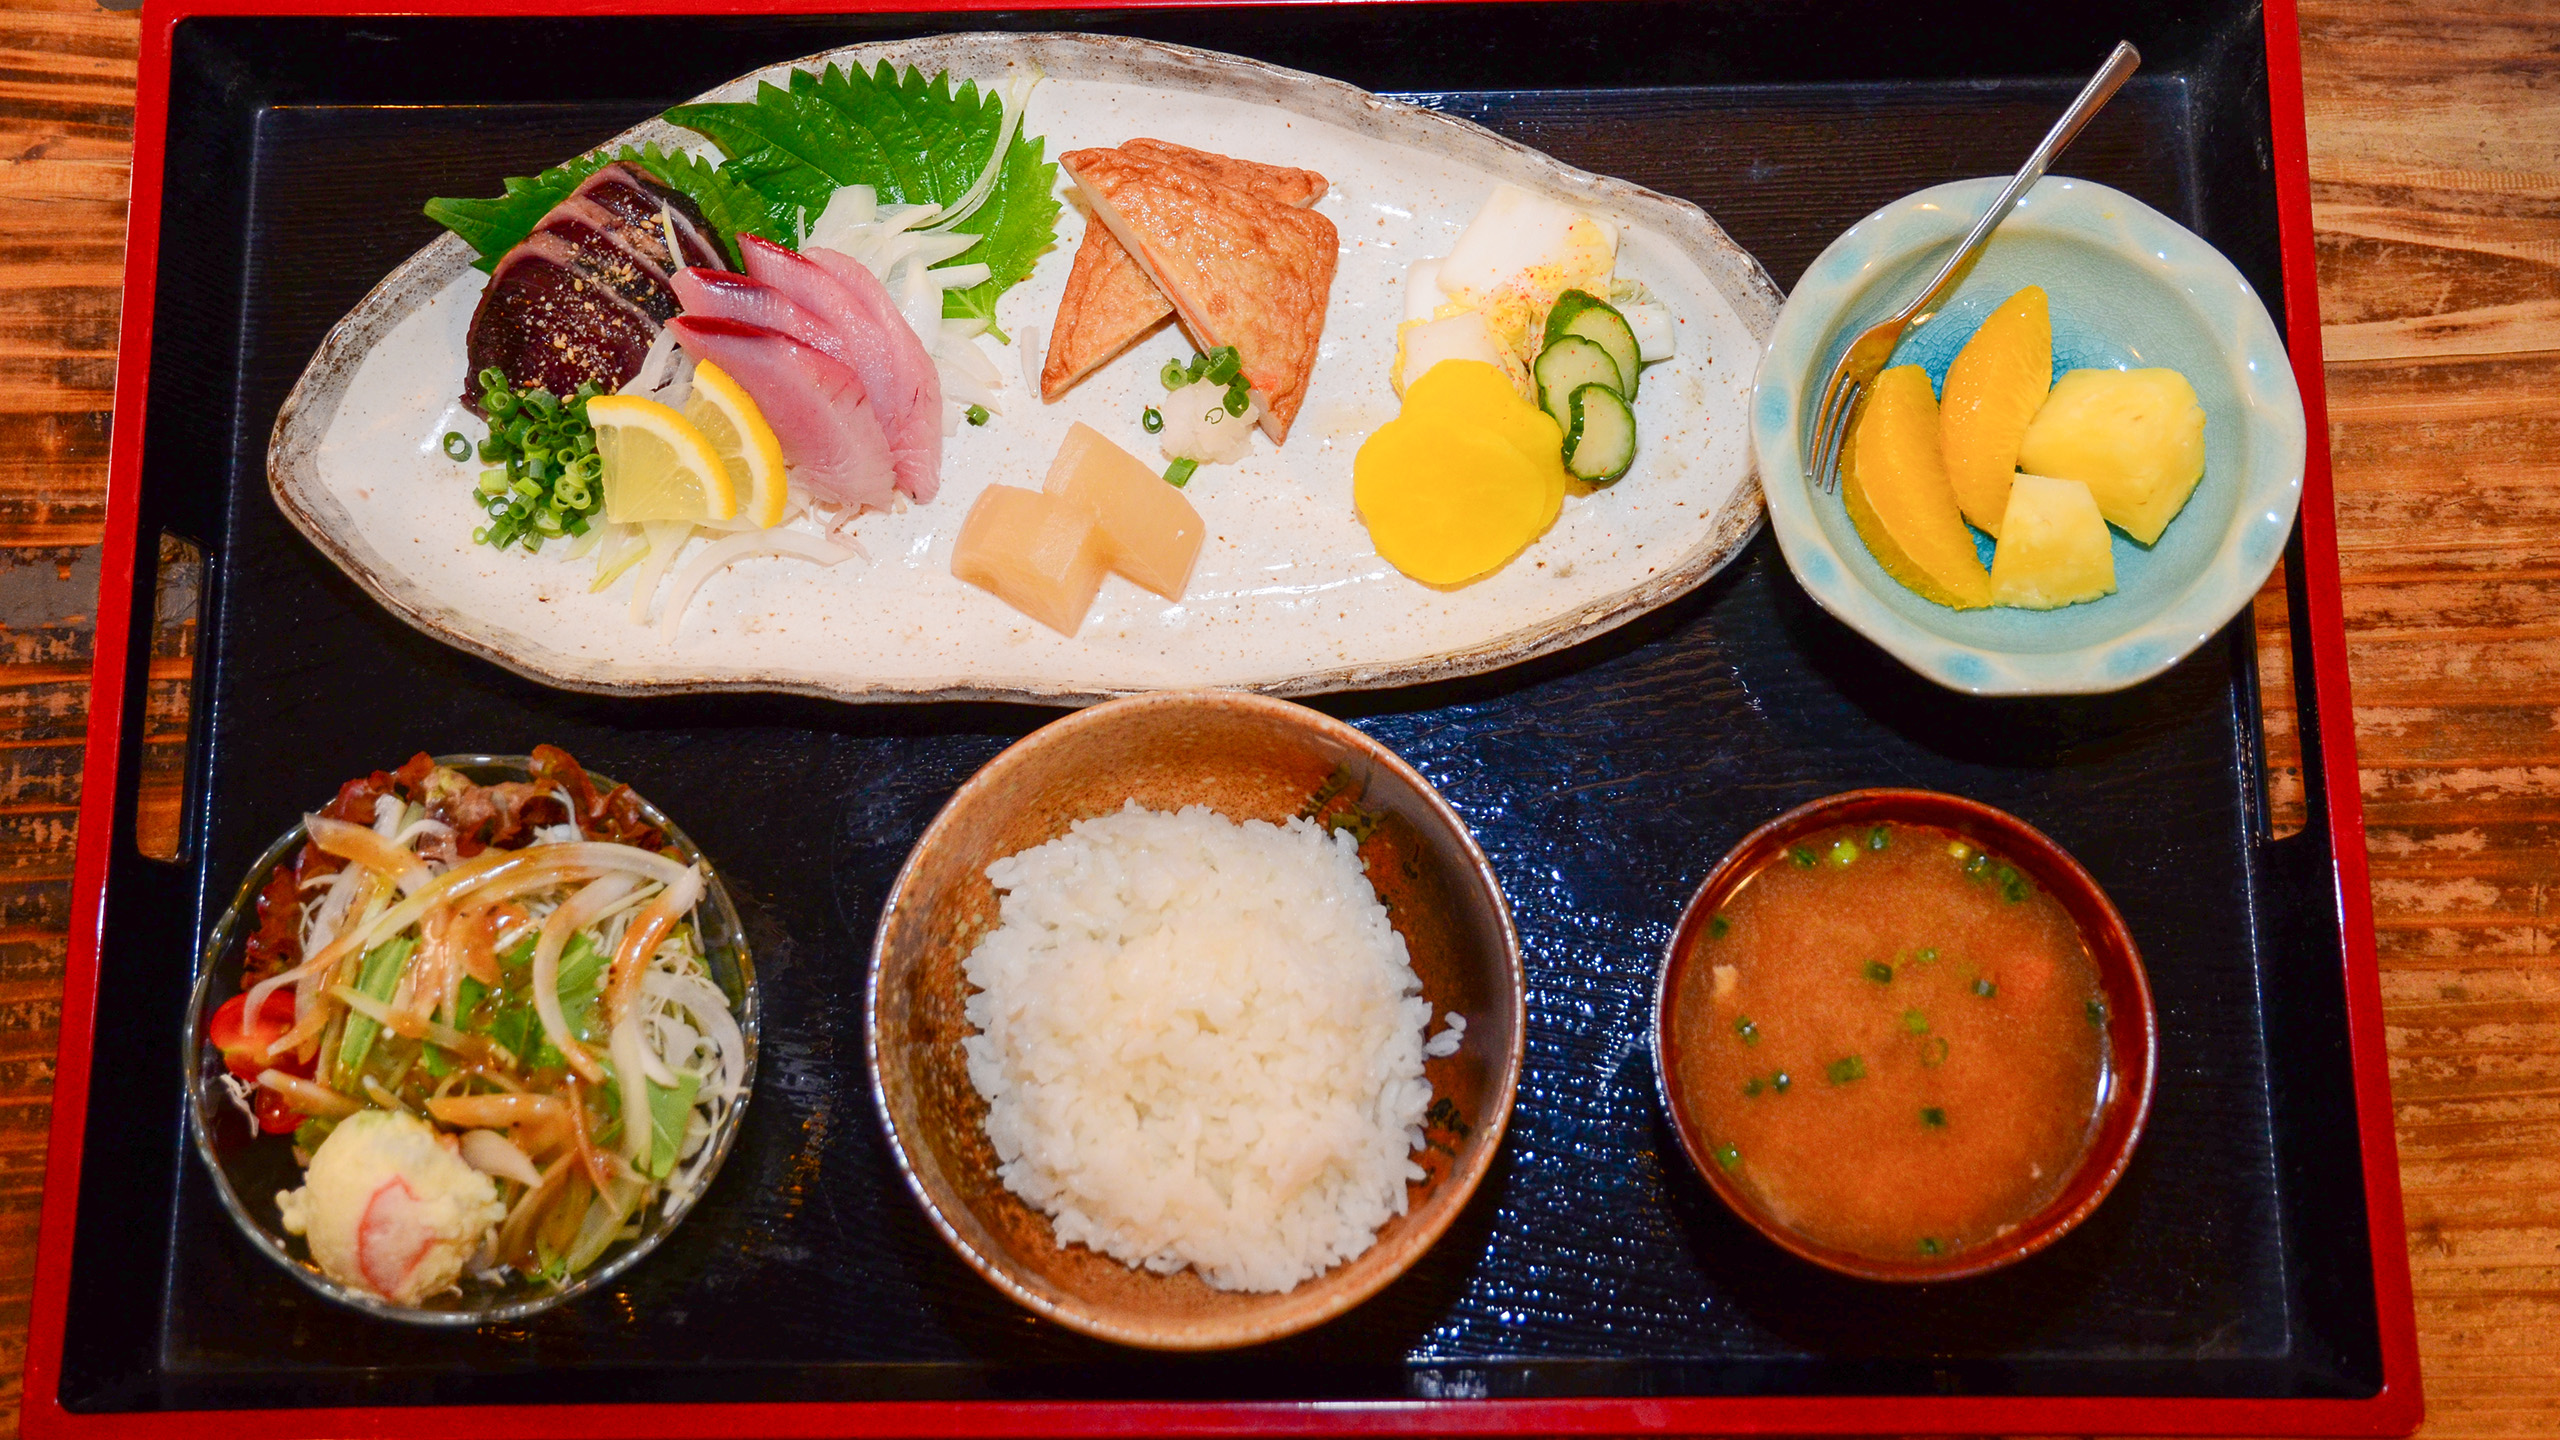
{"x": 2125, "y": 1064}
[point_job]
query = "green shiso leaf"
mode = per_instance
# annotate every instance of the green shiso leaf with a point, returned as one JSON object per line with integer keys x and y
{"x": 913, "y": 138}
{"x": 492, "y": 227}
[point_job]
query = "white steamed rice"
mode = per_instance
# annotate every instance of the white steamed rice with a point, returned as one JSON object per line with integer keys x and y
{"x": 1201, "y": 1044}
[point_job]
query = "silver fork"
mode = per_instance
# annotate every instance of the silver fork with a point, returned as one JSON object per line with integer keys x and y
{"x": 1866, "y": 357}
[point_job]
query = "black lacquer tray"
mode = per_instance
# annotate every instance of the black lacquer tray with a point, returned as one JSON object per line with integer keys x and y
{"x": 2231, "y": 1282}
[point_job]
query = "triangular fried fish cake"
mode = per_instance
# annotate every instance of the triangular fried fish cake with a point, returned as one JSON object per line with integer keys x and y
{"x": 1109, "y": 302}
{"x": 1240, "y": 270}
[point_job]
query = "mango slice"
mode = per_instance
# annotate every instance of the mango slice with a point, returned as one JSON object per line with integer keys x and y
{"x": 1469, "y": 392}
{"x": 1896, "y": 487}
{"x": 2134, "y": 437}
{"x": 2054, "y": 547}
{"x": 1993, "y": 389}
{"x": 1445, "y": 502}
{"x": 1040, "y": 554}
{"x": 1149, "y": 531}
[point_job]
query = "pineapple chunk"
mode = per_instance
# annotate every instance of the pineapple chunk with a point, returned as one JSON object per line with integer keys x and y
{"x": 1149, "y": 532}
{"x": 1040, "y": 554}
{"x": 2054, "y": 548}
{"x": 2134, "y": 437}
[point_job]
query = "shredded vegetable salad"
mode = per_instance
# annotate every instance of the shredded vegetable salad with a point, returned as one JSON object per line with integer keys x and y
{"x": 506, "y": 975}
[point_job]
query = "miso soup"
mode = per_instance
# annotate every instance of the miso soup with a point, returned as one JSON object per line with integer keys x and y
{"x": 1893, "y": 1041}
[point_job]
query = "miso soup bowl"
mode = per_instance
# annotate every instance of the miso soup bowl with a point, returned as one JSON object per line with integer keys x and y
{"x": 2125, "y": 1084}
{"x": 1248, "y": 757}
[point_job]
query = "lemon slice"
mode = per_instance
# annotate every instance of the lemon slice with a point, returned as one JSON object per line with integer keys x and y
{"x": 657, "y": 466}
{"x": 727, "y": 417}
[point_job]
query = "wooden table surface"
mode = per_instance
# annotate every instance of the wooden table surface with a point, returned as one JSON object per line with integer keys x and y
{"x": 2435, "y": 173}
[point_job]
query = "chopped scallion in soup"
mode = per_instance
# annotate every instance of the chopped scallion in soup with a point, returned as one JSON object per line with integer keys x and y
{"x": 1948, "y": 1014}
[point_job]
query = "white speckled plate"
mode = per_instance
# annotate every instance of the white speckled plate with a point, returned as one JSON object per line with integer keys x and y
{"x": 2128, "y": 287}
{"x": 1289, "y": 596}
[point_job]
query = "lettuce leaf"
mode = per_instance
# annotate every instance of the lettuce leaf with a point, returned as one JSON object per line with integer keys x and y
{"x": 914, "y": 139}
{"x": 493, "y": 227}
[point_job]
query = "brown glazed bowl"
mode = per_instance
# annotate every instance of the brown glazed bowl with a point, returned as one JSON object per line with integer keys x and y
{"x": 2124, "y": 1098}
{"x": 1248, "y": 757}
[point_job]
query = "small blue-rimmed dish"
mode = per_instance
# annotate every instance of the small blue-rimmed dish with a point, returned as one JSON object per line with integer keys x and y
{"x": 2129, "y": 288}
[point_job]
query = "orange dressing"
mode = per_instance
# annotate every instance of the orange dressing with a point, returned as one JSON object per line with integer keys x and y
{"x": 1892, "y": 1041}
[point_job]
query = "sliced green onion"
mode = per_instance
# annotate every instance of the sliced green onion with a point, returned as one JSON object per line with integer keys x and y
{"x": 1803, "y": 857}
{"x": 1880, "y": 972}
{"x": 1928, "y": 1244}
{"x": 1747, "y": 1028}
{"x": 457, "y": 446}
{"x": 1984, "y": 988}
{"x": 1933, "y": 1117}
{"x": 1178, "y": 474}
{"x": 1846, "y": 1069}
{"x": 1877, "y": 839}
{"x": 1728, "y": 1157}
{"x": 1152, "y": 421}
{"x": 1718, "y": 927}
{"x": 977, "y": 414}
{"x": 1934, "y": 1053}
{"x": 1238, "y": 397}
{"x": 1844, "y": 852}
{"x": 1752, "y": 1086}
{"x": 1780, "y": 1081}
{"x": 1223, "y": 363}
{"x": 2097, "y": 1012}
{"x": 1173, "y": 376}
{"x": 1915, "y": 1022}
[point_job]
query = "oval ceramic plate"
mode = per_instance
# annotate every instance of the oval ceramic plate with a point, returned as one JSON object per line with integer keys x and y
{"x": 1289, "y": 596}
{"x": 2129, "y": 287}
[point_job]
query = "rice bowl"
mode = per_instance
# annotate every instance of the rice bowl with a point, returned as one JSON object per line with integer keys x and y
{"x": 1201, "y": 1044}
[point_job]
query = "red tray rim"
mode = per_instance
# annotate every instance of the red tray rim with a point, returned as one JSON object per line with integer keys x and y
{"x": 2394, "y": 1409}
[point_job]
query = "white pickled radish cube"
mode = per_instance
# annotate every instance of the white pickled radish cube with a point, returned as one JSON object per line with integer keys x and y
{"x": 1422, "y": 297}
{"x": 1657, "y": 334}
{"x": 1149, "y": 531}
{"x": 1038, "y": 553}
{"x": 1421, "y": 344}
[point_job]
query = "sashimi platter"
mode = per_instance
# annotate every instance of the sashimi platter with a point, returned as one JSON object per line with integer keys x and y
{"x": 952, "y": 368}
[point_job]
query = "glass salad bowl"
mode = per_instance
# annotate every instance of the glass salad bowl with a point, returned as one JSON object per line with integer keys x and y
{"x": 250, "y": 1168}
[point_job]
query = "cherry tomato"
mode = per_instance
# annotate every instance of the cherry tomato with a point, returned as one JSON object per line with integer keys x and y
{"x": 243, "y": 1046}
{"x": 275, "y": 1117}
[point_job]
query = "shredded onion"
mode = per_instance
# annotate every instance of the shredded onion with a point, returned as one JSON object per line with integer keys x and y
{"x": 666, "y": 537}
{"x": 574, "y": 914}
{"x": 1017, "y": 97}
{"x": 710, "y": 1010}
{"x": 487, "y": 1112}
{"x": 309, "y": 1098}
{"x": 639, "y": 1126}
{"x": 491, "y": 1153}
{"x": 728, "y": 551}
{"x": 365, "y": 847}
